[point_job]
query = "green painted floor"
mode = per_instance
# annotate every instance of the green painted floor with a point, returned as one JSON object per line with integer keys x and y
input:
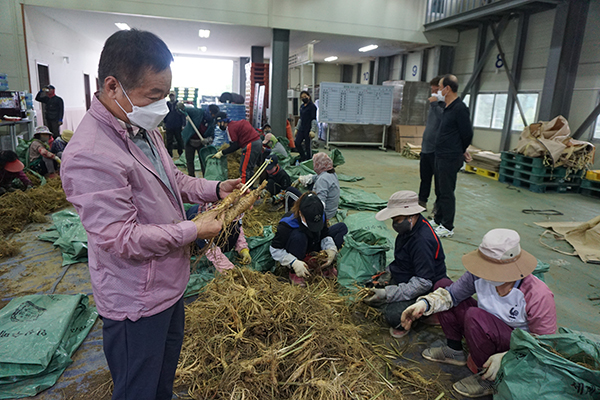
{"x": 484, "y": 204}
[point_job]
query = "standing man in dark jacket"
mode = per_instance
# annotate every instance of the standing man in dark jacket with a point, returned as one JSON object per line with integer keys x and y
{"x": 307, "y": 126}
{"x": 174, "y": 122}
{"x": 205, "y": 124}
{"x": 55, "y": 109}
{"x": 454, "y": 136}
{"x": 418, "y": 267}
{"x": 427, "y": 159}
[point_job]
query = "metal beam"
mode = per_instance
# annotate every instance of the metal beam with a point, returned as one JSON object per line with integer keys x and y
{"x": 517, "y": 64}
{"x": 587, "y": 123}
{"x": 403, "y": 69}
{"x": 278, "y": 85}
{"x": 511, "y": 81}
{"x": 424, "y": 63}
{"x": 563, "y": 60}
{"x": 481, "y": 61}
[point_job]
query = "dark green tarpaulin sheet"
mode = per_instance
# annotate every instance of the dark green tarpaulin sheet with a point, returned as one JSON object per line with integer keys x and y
{"x": 216, "y": 168}
{"x": 38, "y": 336}
{"x": 337, "y": 157}
{"x": 349, "y": 178}
{"x": 180, "y": 162}
{"x": 532, "y": 370}
{"x": 360, "y": 200}
{"x": 68, "y": 234}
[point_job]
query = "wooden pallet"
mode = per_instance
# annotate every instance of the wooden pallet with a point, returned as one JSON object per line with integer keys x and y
{"x": 537, "y": 187}
{"x": 541, "y": 179}
{"x": 483, "y": 172}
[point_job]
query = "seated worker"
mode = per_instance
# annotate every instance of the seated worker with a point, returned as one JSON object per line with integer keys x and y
{"x": 325, "y": 183}
{"x": 418, "y": 264}
{"x": 302, "y": 231}
{"x": 272, "y": 144}
{"x": 205, "y": 124}
{"x": 11, "y": 168}
{"x": 59, "y": 144}
{"x": 242, "y": 136}
{"x": 41, "y": 159}
{"x": 277, "y": 179}
{"x": 509, "y": 297}
{"x": 236, "y": 241}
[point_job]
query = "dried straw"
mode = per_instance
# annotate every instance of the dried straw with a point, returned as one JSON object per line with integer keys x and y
{"x": 260, "y": 216}
{"x": 233, "y": 164}
{"x": 9, "y": 248}
{"x": 251, "y": 336}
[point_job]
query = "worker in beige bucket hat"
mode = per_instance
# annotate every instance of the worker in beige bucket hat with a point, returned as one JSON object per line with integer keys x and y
{"x": 509, "y": 297}
{"x": 419, "y": 263}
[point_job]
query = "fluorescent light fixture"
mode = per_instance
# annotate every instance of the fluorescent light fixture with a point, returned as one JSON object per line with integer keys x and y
{"x": 330, "y": 59}
{"x": 122, "y": 26}
{"x": 368, "y": 48}
{"x": 204, "y": 33}
{"x": 202, "y": 49}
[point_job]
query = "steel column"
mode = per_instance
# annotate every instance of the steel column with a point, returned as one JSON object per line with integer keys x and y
{"x": 565, "y": 49}
{"x": 481, "y": 55}
{"x": 587, "y": 123}
{"x": 403, "y": 69}
{"x": 278, "y": 85}
{"x": 424, "y": 63}
{"x": 517, "y": 64}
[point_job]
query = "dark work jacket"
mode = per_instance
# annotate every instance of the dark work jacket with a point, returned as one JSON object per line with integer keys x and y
{"x": 55, "y": 107}
{"x": 175, "y": 119}
{"x": 288, "y": 223}
{"x": 455, "y": 132}
{"x": 278, "y": 182}
{"x": 418, "y": 253}
{"x": 308, "y": 112}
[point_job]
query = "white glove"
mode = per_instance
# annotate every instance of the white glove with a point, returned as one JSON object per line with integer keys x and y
{"x": 305, "y": 180}
{"x": 331, "y": 253}
{"x": 219, "y": 154}
{"x": 205, "y": 141}
{"x": 300, "y": 269}
{"x": 493, "y": 366}
{"x": 413, "y": 313}
{"x": 378, "y": 297}
{"x": 57, "y": 160}
{"x": 311, "y": 134}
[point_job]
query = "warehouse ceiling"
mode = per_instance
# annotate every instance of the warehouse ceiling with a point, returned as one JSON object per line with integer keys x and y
{"x": 228, "y": 41}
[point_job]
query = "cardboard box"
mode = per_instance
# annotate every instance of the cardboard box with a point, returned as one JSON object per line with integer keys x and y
{"x": 402, "y": 141}
{"x": 410, "y": 130}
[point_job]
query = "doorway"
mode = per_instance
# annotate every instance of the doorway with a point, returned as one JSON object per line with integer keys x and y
{"x": 86, "y": 87}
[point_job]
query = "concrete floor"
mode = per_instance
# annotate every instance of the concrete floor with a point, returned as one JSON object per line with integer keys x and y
{"x": 482, "y": 204}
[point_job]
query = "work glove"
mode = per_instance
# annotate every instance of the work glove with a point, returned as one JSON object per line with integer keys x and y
{"x": 305, "y": 180}
{"x": 493, "y": 366}
{"x": 57, "y": 160}
{"x": 295, "y": 132}
{"x": 219, "y": 154}
{"x": 378, "y": 297}
{"x": 300, "y": 269}
{"x": 331, "y": 253}
{"x": 311, "y": 134}
{"x": 246, "y": 258}
{"x": 413, "y": 313}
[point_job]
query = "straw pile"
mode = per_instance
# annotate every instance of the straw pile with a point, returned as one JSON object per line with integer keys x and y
{"x": 233, "y": 164}
{"x": 20, "y": 208}
{"x": 9, "y": 248}
{"x": 251, "y": 336}
{"x": 260, "y": 216}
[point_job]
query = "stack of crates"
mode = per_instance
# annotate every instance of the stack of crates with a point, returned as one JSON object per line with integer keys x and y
{"x": 533, "y": 174}
{"x": 186, "y": 95}
{"x": 590, "y": 186}
{"x": 256, "y": 73}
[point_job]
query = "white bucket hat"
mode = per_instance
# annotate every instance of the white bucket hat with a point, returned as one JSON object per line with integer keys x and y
{"x": 404, "y": 202}
{"x": 500, "y": 258}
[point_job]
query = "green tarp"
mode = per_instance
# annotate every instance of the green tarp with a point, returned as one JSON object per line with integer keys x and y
{"x": 294, "y": 171}
{"x": 68, "y": 234}
{"x": 360, "y": 200}
{"x": 337, "y": 157}
{"x": 532, "y": 370}
{"x": 216, "y": 168}
{"x": 180, "y": 162}
{"x": 38, "y": 336}
{"x": 349, "y": 178}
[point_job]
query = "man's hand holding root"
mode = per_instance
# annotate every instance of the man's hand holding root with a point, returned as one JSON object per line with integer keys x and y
{"x": 208, "y": 226}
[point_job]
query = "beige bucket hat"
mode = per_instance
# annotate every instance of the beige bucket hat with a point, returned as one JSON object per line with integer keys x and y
{"x": 404, "y": 202}
{"x": 500, "y": 258}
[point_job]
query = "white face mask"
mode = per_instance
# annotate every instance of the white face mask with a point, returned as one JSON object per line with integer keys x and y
{"x": 147, "y": 117}
{"x": 440, "y": 96}
{"x": 495, "y": 284}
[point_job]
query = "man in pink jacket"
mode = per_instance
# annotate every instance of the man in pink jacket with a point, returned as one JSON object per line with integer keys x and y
{"x": 129, "y": 195}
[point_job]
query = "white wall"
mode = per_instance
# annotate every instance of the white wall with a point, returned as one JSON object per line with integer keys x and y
{"x": 365, "y": 73}
{"x": 13, "y": 60}
{"x": 396, "y": 68}
{"x": 48, "y": 41}
{"x": 413, "y": 66}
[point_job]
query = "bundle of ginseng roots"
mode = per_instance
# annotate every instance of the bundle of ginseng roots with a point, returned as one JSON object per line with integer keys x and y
{"x": 251, "y": 336}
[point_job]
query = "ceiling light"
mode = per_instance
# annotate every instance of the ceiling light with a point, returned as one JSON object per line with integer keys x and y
{"x": 202, "y": 49}
{"x": 204, "y": 33}
{"x": 330, "y": 59}
{"x": 122, "y": 26}
{"x": 368, "y": 48}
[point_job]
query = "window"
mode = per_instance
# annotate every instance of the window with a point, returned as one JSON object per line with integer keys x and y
{"x": 529, "y": 103}
{"x": 467, "y": 99}
{"x": 597, "y": 128}
{"x": 489, "y": 110}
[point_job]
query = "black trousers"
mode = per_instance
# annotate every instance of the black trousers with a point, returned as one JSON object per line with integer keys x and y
{"x": 54, "y": 127}
{"x": 174, "y": 136}
{"x": 426, "y": 170}
{"x": 306, "y": 151}
{"x": 142, "y": 355}
{"x": 446, "y": 170}
{"x": 190, "y": 153}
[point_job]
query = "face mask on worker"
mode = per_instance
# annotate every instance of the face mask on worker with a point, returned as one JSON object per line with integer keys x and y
{"x": 147, "y": 117}
{"x": 440, "y": 96}
{"x": 305, "y": 100}
{"x": 402, "y": 227}
{"x": 494, "y": 283}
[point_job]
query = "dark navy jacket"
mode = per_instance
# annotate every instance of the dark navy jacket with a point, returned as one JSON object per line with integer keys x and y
{"x": 418, "y": 253}
{"x": 287, "y": 224}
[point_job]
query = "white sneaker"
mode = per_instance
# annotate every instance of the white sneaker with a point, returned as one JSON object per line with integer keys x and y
{"x": 433, "y": 224}
{"x": 443, "y": 232}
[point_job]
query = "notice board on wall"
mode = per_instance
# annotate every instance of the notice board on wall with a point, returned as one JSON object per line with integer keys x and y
{"x": 347, "y": 103}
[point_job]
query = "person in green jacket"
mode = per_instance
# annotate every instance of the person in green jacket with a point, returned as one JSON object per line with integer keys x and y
{"x": 205, "y": 124}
